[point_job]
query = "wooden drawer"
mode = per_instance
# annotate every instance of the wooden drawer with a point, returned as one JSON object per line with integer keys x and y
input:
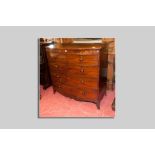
{"x": 83, "y": 71}
{"x": 83, "y": 93}
{"x": 86, "y": 60}
{"x": 76, "y": 52}
{"x": 76, "y": 82}
{"x": 75, "y": 71}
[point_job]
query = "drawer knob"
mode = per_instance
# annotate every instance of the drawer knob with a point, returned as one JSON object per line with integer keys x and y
{"x": 81, "y": 58}
{"x": 65, "y": 50}
{"x": 82, "y": 70}
{"x": 83, "y": 92}
{"x": 56, "y": 66}
{"x": 82, "y": 81}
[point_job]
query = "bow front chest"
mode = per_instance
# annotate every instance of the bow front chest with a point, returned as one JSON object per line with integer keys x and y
{"x": 76, "y": 71}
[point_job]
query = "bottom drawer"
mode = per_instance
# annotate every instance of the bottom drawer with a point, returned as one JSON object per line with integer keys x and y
{"x": 82, "y": 94}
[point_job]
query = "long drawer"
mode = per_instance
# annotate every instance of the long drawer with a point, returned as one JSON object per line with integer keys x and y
{"x": 75, "y": 70}
{"x": 75, "y": 52}
{"x": 83, "y": 93}
{"x": 87, "y": 58}
{"x": 79, "y": 82}
{"x": 82, "y": 71}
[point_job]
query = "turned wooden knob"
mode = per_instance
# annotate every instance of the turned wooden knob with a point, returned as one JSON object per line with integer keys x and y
{"x": 83, "y": 92}
{"x": 82, "y": 70}
{"x": 82, "y": 81}
{"x": 81, "y": 58}
{"x": 65, "y": 51}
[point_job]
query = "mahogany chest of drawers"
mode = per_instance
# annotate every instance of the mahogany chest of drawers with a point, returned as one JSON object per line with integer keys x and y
{"x": 76, "y": 71}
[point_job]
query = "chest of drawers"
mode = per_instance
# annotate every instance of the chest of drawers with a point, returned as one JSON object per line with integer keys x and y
{"x": 76, "y": 71}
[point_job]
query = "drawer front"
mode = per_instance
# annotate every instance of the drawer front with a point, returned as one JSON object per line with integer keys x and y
{"x": 83, "y": 93}
{"x": 87, "y": 60}
{"x": 76, "y": 71}
{"x": 76, "y": 82}
{"x": 71, "y": 51}
{"x": 76, "y": 56}
{"x": 82, "y": 71}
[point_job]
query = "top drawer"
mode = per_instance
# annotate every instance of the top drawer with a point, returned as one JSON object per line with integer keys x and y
{"x": 76, "y": 52}
{"x": 75, "y": 57}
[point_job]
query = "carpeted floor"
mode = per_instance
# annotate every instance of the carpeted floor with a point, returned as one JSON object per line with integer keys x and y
{"x": 57, "y": 105}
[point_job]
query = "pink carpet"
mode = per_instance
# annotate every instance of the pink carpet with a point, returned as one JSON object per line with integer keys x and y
{"x": 57, "y": 105}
